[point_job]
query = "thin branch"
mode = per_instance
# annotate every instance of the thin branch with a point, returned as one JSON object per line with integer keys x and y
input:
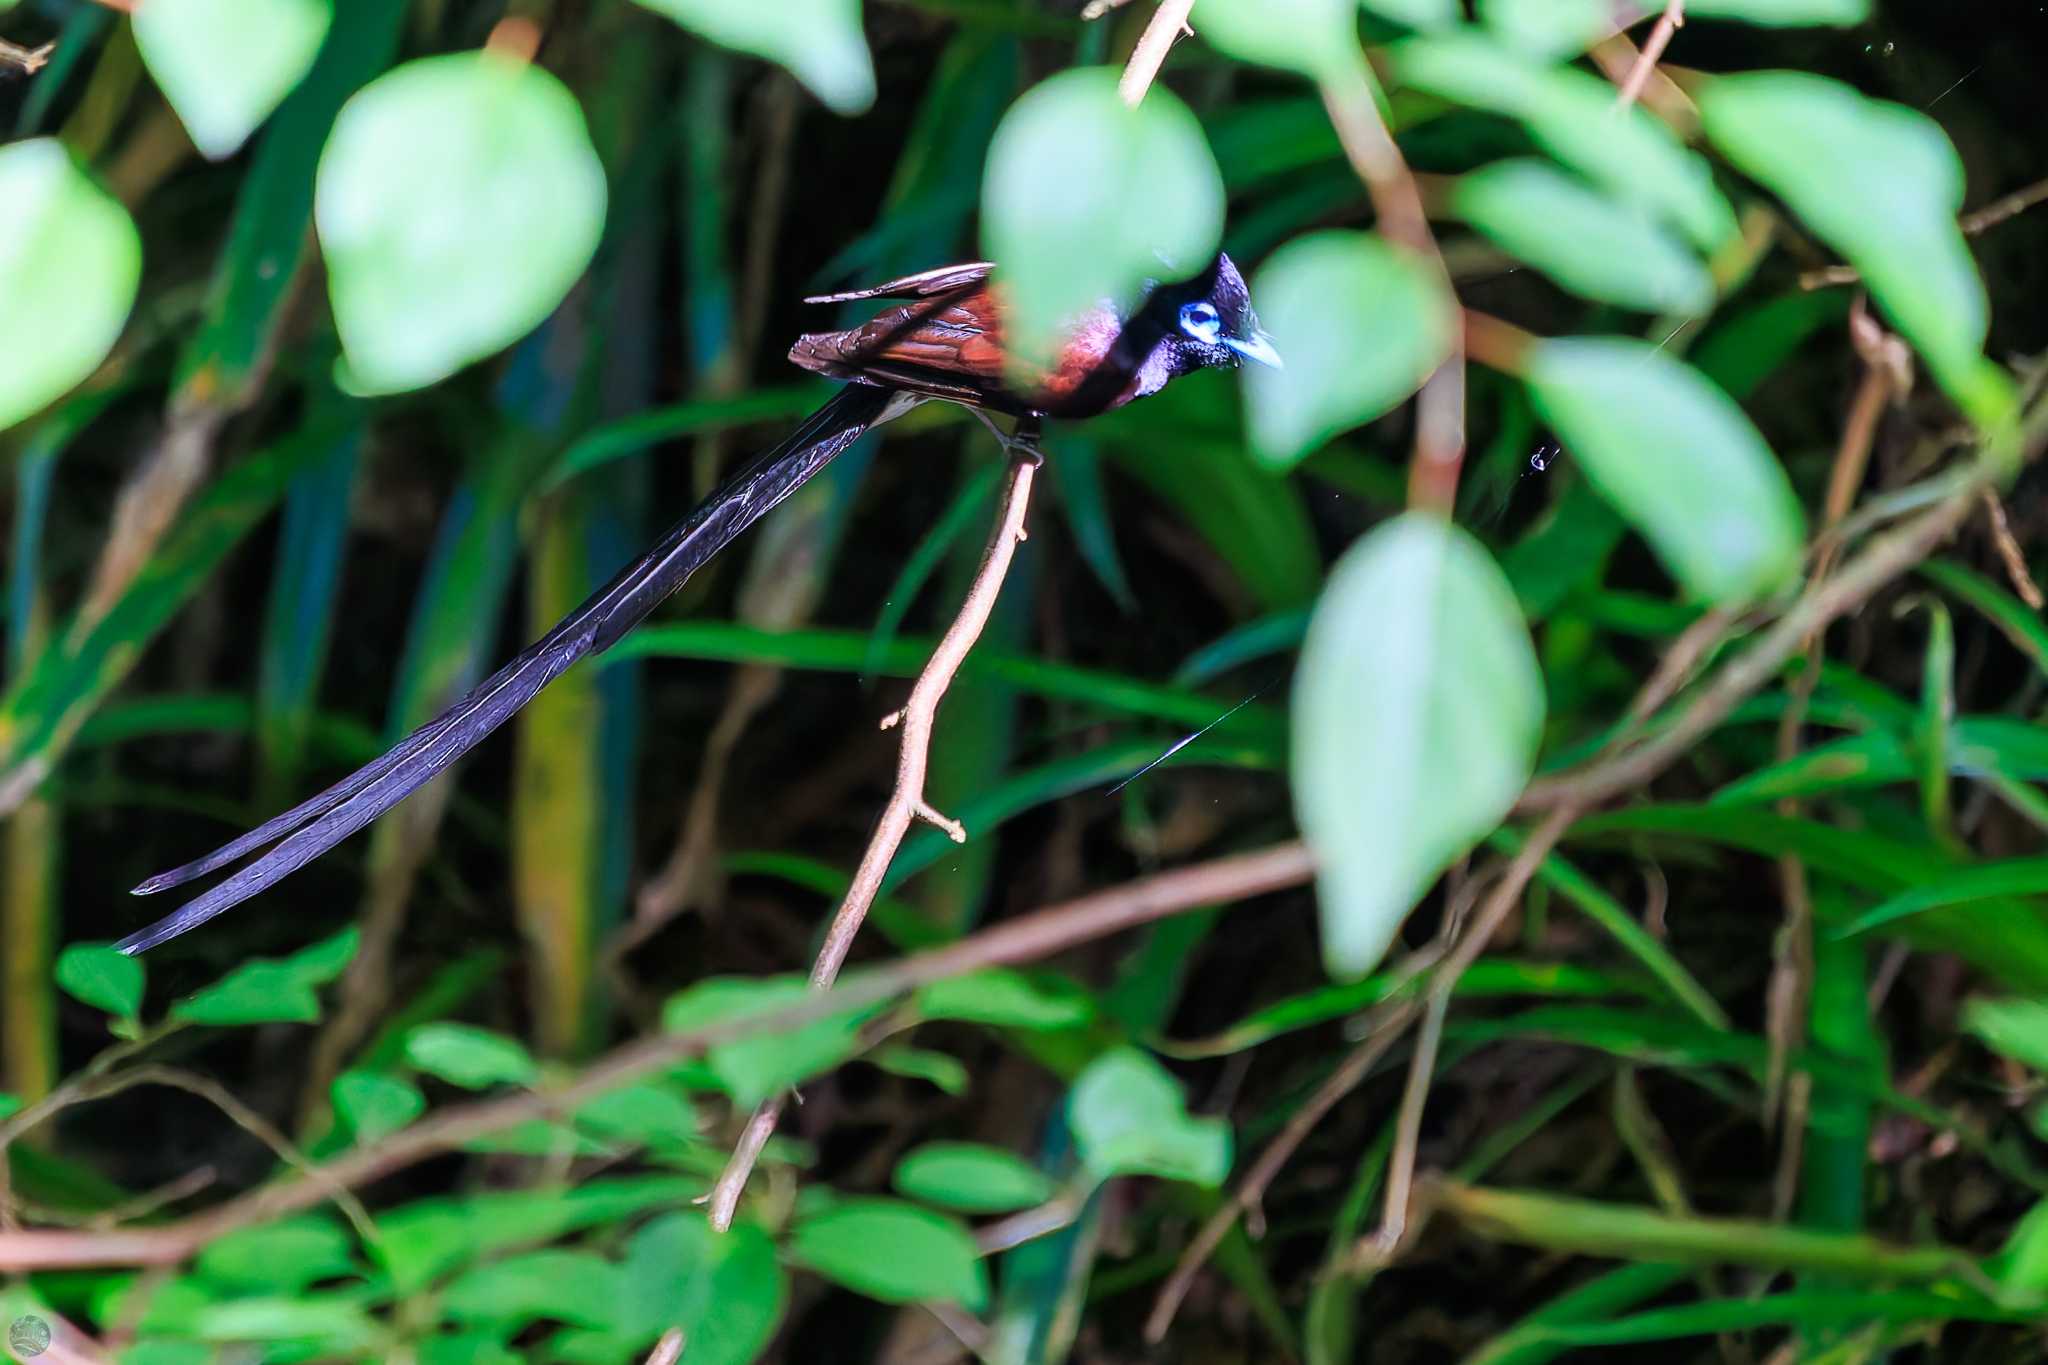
{"x": 669, "y": 1349}
{"x": 1668, "y": 23}
{"x": 28, "y": 60}
{"x": 2009, "y": 551}
{"x": 907, "y": 803}
{"x": 1024, "y": 939}
{"x": 1169, "y": 21}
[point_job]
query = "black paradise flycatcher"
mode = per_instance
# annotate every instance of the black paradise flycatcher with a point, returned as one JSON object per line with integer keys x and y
{"x": 947, "y": 343}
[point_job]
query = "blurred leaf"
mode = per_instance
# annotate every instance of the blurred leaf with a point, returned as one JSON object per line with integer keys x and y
{"x": 1566, "y": 551}
{"x": 631, "y": 435}
{"x": 226, "y": 64}
{"x": 330, "y": 1325}
{"x": 1678, "y": 458}
{"x": 724, "y": 1290}
{"x": 2014, "y": 1027}
{"x": 757, "y": 1067}
{"x": 1964, "y": 886}
{"x": 1006, "y": 998}
{"x": 1361, "y": 323}
{"x": 459, "y": 198}
{"x": 1418, "y": 13}
{"x": 1318, "y": 38}
{"x": 1881, "y": 184}
{"x": 894, "y": 1252}
{"x": 282, "y": 1257}
{"x": 1076, "y": 467}
{"x": 1876, "y": 759}
{"x": 465, "y": 1348}
{"x": 569, "y": 1286}
{"x": 1784, "y": 13}
{"x": 1280, "y": 633}
{"x": 1086, "y": 199}
{"x": 103, "y": 977}
{"x": 970, "y": 1177}
{"x": 649, "y": 1114}
{"x": 1549, "y": 28}
{"x": 1129, "y": 1118}
{"x": 1572, "y": 115}
{"x": 70, "y": 261}
{"x": 473, "y": 1058}
{"x": 1585, "y": 241}
{"x": 941, "y": 1070}
{"x": 820, "y": 41}
{"x": 2021, "y": 1266}
{"x": 1418, "y": 670}
{"x": 2017, "y": 621}
{"x": 374, "y": 1105}
{"x": 427, "y": 1237}
{"x": 271, "y": 990}
{"x": 1748, "y": 345}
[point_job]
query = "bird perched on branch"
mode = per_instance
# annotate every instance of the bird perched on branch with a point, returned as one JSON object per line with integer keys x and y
{"x": 943, "y": 340}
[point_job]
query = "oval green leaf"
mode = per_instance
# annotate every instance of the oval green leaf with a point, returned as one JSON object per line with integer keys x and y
{"x": 1587, "y": 242}
{"x": 103, "y": 977}
{"x": 1361, "y": 322}
{"x": 472, "y": 1058}
{"x": 1572, "y": 116}
{"x": 375, "y": 1105}
{"x": 1084, "y": 200}
{"x": 226, "y": 64}
{"x": 1318, "y": 38}
{"x": 1678, "y": 458}
{"x": 1129, "y": 1118}
{"x": 1882, "y": 184}
{"x": 1417, "y": 710}
{"x": 568, "y": 1286}
{"x": 971, "y": 1177}
{"x": 458, "y": 199}
{"x": 818, "y": 40}
{"x": 70, "y": 260}
{"x": 894, "y": 1252}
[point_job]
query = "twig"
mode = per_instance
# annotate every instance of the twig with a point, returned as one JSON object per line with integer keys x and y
{"x": 29, "y": 59}
{"x": 2009, "y": 551}
{"x": 1397, "y": 202}
{"x": 907, "y": 803}
{"x": 1024, "y": 939}
{"x": 1168, "y": 22}
{"x": 669, "y": 1349}
{"x": 1668, "y": 23}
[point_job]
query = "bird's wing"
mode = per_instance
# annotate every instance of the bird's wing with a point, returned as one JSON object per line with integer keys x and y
{"x": 923, "y": 285}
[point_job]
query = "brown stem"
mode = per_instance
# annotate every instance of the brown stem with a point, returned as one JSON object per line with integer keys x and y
{"x": 1026, "y": 938}
{"x": 1669, "y": 23}
{"x": 907, "y": 803}
{"x": 1168, "y": 22}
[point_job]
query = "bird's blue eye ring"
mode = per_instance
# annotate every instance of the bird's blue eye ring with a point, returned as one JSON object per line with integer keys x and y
{"x": 1201, "y": 321}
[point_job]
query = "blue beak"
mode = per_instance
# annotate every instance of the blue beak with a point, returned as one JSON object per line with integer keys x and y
{"x": 1257, "y": 347}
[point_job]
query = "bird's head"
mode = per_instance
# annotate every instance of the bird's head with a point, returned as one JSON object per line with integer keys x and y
{"x": 1213, "y": 323}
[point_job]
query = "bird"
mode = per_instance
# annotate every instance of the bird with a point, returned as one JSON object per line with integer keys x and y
{"x": 941, "y": 339}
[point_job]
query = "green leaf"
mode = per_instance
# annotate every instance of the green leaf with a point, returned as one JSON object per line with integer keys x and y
{"x": 102, "y": 977}
{"x": 1417, "y": 670}
{"x": 1572, "y": 116}
{"x": 1678, "y": 458}
{"x": 270, "y": 991}
{"x": 1585, "y": 241}
{"x": 458, "y": 199}
{"x": 1318, "y": 38}
{"x": 820, "y": 41}
{"x": 1549, "y": 28}
{"x": 70, "y": 260}
{"x": 427, "y": 1237}
{"x": 757, "y": 1067}
{"x": 1361, "y": 323}
{"x": 724, "y": 1290}
{"x": 1784, "y": 13}
{"x": 472, "y": 1058}
{"x": 281, "y": 1257}
{"x": 1964, "y": 886}
{"x": 1424, "y": 14}
{"x": 1128, "y": 1118}
{"x": 939, "y": 1069}
{"x": 1084, "y": 198}
{"x": 2021, "y": 1266}
{"x": 226, "y": 64}
{"x": 1007, "y": 998}
{"x": 649, "y": 1114}
{"x": 1881, "y": 183}
{"x": 894, "y": 1252}
{"x": 374, "y": 1105}
{"x": 568, "y": 1286}
{"x": 971, "y": 1177}
{"x": 2014, "y": 1027}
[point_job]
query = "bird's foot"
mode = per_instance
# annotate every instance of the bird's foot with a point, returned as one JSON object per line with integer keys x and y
{"x": 1020, "y": 444}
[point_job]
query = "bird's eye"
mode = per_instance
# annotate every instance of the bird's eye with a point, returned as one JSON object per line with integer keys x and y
{"x": 1201, "y": 321}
